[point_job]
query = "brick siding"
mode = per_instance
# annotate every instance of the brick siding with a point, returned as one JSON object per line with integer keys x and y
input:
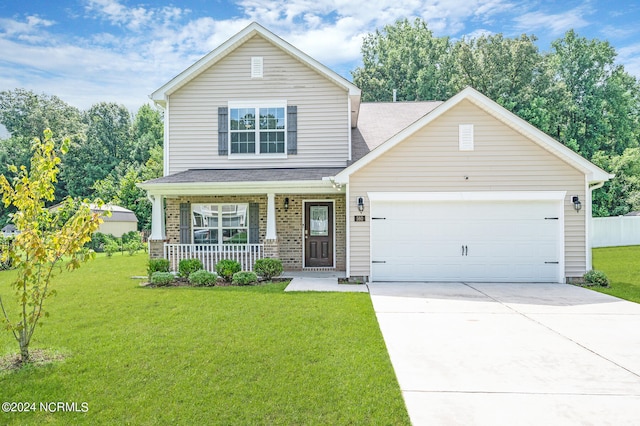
{"x": 288, "y": 224}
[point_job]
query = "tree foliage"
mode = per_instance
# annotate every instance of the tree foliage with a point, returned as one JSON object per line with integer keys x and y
{"x": 107, "y": 142}
{"x": 406, "y": 57}
{"x": 46, "y": 237}
{"x": 504, "y": 69}
{"x": 620, "y": 195}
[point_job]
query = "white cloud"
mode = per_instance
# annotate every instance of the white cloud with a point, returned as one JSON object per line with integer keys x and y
{"x": 133, "y": 18}
{"x": 630, "y": 57}
{"x": 30, "y": 30}
{"x": 555, "y": 23}
{"x": 478, "y": 33}
{"x": 150, "y": 44}
{"x": 610, "y": 31}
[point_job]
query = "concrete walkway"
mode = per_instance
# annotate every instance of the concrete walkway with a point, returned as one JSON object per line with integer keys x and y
{"x": 512, "y": 354}
{"x": 321, "y": 281}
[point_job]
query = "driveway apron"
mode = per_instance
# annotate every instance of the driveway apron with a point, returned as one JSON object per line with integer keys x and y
{"x": 511, "y": 354}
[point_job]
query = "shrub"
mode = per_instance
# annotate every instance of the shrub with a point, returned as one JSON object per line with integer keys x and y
{"x": 131, "y": 247}
{"x": 99, "y": 240}
{"x": 132, "y": 236}
{"x": 187, "y": 266}
{"x": 162, "y": 278}
{"x": 226, "y": 268}
{"x": 111, "y": 247}
{"x": 244, "y": 278}
{"x": 203, "y": 278}
{"x": 595, "y": 277}
{"x": 268, "y": 268}
{"x": 157, "y": 265}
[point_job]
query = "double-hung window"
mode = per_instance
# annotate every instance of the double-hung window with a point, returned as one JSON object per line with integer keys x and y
{"x": 258, "y": 128}
{"x": 220, "y": 223}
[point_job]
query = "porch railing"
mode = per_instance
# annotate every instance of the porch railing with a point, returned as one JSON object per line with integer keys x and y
{"x": 210, "y": 254}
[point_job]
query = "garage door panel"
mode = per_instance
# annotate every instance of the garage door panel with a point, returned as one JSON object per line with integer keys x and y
{"x": 473, "y": 241}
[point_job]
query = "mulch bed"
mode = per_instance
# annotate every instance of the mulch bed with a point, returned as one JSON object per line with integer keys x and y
{"x": 183, "y": 282}
{"x": 37, "y": 357}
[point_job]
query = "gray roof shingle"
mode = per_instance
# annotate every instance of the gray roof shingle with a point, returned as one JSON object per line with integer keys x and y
{"x": 247, "y": 175}
{"x": 379, "y": 121}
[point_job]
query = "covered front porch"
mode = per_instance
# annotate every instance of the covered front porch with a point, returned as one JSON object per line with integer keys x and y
{"x": 306, "y": 231}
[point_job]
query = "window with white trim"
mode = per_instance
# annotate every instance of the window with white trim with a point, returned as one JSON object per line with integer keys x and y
{"x": 220, "y": 223}
{"x": 258, "y": 129}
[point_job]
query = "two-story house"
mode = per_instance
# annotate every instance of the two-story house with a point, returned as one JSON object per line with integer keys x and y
{"x": 268, "y": 153}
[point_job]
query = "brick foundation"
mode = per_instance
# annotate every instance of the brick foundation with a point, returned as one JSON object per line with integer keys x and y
{"x": 271, "y": 249}
{"x": 156, "y": 249}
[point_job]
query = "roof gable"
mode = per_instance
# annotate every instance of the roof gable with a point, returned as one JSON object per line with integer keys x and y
{"x": 161, "y": 94}
{"x": 593, "y": 172}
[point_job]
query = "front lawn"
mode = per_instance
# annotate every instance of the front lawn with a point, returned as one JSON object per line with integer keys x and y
{"x": 622, "y": 266}
{"x": 227, "y": 355}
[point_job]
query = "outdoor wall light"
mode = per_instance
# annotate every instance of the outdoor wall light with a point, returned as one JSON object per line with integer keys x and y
{"x": 576, "y": 203}
{"x": 360, "y": 204}
{"x": 286, "y": 204}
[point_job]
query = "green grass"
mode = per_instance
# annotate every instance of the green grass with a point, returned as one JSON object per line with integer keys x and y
{"x": 622, "y": 266}
{"x": 228, "y": 355}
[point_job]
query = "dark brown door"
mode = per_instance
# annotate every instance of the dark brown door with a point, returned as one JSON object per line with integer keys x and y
{"x": 318, "y": 234}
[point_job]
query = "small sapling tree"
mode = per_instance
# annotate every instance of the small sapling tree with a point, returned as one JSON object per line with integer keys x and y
{"x": 47, "y": 239}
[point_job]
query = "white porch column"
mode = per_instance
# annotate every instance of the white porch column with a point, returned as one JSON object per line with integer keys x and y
{"x": 271, "y": 217}
{"x": 157, "y": 218}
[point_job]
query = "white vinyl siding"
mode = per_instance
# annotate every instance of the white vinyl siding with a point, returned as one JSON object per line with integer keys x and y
{"x": 502, "y": 160}
{"x": 323, "y": 120}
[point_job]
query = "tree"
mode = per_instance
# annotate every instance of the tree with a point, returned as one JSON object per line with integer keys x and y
{"x": 504, "y": 69}
{"x": 108, "y": 143}
{"x": 26, "y": 115}
{"x": 148, "y": 131}
{"x": 595, "y": 114}
{"x": 46, "y": 238}
{"x": 621, "y": 194}
{"x": 120, "y": 188}
{"x": 408, "y": 58}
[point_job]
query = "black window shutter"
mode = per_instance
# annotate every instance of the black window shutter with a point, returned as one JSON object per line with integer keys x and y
{"x": 185, "y": 223}
{"x": 254, "y": 223}
{"x": 223, "y": 130}
{"x": 292, "y": 129}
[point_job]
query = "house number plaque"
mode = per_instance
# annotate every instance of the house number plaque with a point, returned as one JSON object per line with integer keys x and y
{"x": 359, "y": 218}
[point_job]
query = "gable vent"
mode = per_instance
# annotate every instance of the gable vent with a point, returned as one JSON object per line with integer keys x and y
{"x": 256, "y": 67}
{"x": 465, "y": 137}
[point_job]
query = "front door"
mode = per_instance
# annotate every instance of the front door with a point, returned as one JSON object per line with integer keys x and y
{"x": 318, "y": 234}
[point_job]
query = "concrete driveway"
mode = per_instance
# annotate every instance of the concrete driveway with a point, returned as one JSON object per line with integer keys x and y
{"x": 511, "y": 354}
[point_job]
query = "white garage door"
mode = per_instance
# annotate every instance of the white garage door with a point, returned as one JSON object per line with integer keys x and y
{"x": 467, "y": 240}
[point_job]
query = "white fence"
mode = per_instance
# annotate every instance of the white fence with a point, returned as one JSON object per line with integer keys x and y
{"x": 615, "y": 231}
{"x": 210, "y": 254}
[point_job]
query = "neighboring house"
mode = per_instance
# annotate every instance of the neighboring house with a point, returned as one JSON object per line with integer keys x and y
{"x": 269, "y": 153}
{"x": 120, "y": 222}
{"x": 10, "y": 230}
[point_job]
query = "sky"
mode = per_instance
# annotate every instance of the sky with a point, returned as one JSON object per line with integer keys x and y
{"x": 90, "y": 51}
